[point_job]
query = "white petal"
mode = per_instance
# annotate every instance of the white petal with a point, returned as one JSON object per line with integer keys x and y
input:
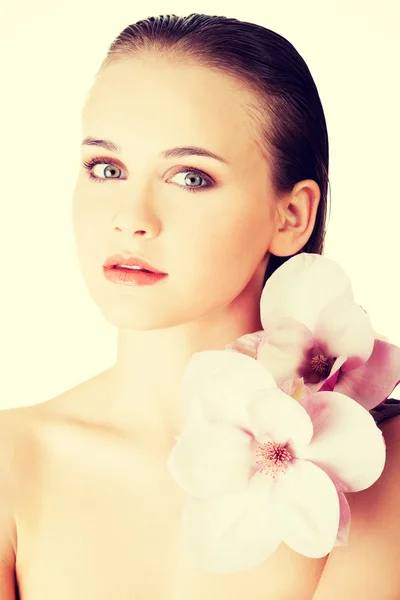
{"x": 280, "y": 417}
{"x": 347, "y": 329}
{"x": 347, "y": 443}
{"x": 306, "y": 504}
{"x": 283, "y": 348}
{"x": 217, "y": 385}
{"x": 301, "y": 287}
{"x": 233, "y": 532}
{"x": 212, "y": 460}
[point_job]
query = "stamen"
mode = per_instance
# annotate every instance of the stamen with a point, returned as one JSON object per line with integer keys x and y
{"x": 274, "y": 458}
{"x": 320, "y": 364}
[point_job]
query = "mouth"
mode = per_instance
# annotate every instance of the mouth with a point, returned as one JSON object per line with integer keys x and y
{"x": 120, "y": 262}
{"x": 126, "y": 268}
{"x": 132, "y": 275}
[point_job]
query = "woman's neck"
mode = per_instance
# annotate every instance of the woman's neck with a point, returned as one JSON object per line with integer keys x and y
{"x": 144, "y": 385}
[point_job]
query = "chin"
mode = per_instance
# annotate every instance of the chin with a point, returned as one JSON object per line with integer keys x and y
{"x": 126, "y": 308}
{"x": 144, "y": 318}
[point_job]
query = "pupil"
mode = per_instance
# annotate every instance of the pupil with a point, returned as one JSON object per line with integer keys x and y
{"x": 111, "y": 169}
{"x": 193, "y": 177}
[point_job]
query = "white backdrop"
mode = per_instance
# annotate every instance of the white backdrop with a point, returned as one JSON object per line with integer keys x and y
{"x": 52, "y": 334}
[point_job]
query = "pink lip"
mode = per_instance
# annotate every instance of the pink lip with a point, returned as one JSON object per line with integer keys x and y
{"x": 118, "y": 259}
{"x": 131, "y": 277}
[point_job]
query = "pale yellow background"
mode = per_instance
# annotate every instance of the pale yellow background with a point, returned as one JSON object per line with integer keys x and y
{"x": 52, "y": 335}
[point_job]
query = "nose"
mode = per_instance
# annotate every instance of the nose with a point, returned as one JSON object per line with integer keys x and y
{"x": 137, "y": 221}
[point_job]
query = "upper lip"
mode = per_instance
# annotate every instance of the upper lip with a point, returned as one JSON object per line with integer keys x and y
{"x": 118, "y": 259}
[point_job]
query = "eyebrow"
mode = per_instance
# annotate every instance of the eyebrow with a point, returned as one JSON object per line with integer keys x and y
{"x": 171, "y": 153}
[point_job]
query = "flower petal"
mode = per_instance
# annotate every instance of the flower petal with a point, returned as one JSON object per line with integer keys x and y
{"x": 247, "y": 344}
{"x": 347, "y": 444}
{"x": 346, "y": 329}
{"x": 376, "y": 379}
{"x": 328, "y": 385}
{"x": 306, "y": 504}
{"x": 344, "y": 523}
{"x": 233, "y": 532}
{"x": 280, "y": 418}
{"x": 212, "y": 460}
{"x": 301, "y": 287}
{"x": 295, "y": 388}
{"x": 282, "y": 348}
{"x": 217, "y": 386}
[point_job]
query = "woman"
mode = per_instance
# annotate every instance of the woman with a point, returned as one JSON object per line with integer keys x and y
{"x": 229, "y": 112}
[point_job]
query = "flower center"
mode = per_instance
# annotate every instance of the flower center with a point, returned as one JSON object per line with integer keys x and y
{"x": 274, "y": 458}
{"x": 320, "y": 364}
{"x": 317, "y": 363}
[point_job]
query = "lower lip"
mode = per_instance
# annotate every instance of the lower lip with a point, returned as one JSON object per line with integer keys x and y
{"x": 132, "y": 277}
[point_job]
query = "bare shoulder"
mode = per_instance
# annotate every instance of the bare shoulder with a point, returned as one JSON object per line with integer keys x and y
{"x": 18, "y": 434}
{"x": 22, "y": 450}
{"x": 18, "y": 426}
{"x": 20, "y": 456}
{"x": 368, "y": 567}
{"x": 14, "y": 455}
{"x": 21, "y": 430}
{"x": 13, "y": 439}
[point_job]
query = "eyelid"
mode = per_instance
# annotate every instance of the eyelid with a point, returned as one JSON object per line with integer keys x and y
{"x": 108, "y": 161}
{"x": 114, "y": 161}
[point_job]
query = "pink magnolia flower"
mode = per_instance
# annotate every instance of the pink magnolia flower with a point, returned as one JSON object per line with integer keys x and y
{"x": 264, "y": 465}
{"x": 313, "y": 329}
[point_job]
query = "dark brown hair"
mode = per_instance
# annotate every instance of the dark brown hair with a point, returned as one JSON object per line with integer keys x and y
{"x": 288, "y": 113}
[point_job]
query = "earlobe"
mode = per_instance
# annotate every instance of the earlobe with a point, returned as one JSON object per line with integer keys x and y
{"x": 295, "y": 219}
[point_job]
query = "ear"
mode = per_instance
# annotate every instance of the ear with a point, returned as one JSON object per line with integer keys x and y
{"x": 295, "y": 218}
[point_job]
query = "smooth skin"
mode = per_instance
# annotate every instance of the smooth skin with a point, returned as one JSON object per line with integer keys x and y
{"x": 213, "y": 242}
{"x": 95, "y": 513}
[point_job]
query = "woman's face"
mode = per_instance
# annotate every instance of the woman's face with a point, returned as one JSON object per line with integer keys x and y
{"x": 211, "y": 241}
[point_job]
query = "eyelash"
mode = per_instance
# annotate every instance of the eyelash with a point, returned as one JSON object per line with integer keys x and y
{"x": 89, "y": 164}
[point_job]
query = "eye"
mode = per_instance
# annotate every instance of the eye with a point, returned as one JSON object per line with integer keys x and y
{"x": 113, "y": 169}
{"x": 192, "y": 176}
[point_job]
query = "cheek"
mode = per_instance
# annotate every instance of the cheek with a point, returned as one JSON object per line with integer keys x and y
{"x": 224, "y": 252}
{"x": 80, "y": 216}
{"x": 88, "y": 224}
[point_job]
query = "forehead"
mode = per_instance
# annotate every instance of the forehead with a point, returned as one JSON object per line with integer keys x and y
{"x": 145, "y": 99}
